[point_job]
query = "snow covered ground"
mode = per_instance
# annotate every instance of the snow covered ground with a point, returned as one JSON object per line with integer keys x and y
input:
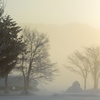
{"x": 49, "y": 98}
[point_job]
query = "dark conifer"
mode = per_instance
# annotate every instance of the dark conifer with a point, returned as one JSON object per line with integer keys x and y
{"x": 10, "y": 45}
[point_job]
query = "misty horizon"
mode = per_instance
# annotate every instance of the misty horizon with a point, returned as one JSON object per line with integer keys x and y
{"x": 70, "y": 25}
{"x": 74, "y": 36}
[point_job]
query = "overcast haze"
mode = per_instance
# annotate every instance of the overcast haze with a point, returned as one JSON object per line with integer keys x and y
{"x": 70, "y": 25}
{"x": 55, "y": 11}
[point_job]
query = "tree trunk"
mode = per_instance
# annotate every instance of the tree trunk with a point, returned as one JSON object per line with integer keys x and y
{"x": 85, "y": 82}
{"x": 26, "y": 90}
{"x": 27, "y": 78}
{"x": 6, "y": 84}
{"x": 26, "y": 87}
{"x": 95, "y": 86}
{"x": 95, "y": 83}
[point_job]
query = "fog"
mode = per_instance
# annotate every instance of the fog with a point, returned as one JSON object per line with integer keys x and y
{"x": 70, "y": 25}
{"x": 64, "y": 40}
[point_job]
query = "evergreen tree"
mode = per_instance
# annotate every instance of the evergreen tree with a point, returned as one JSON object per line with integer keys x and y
{"x": 10, "y": 46}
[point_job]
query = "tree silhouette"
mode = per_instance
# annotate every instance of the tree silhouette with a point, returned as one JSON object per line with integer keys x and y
{"x": 79, "y": 64}
{"x": 10, "y": 45}
{"x": 93, "y": 55}
{"x": 84, "y": 62}
{"x": 35, "y": 62}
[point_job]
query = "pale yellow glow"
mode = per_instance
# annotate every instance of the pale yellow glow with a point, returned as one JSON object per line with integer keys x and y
{"x": 55, "y": 11}
{"x": 61, "y": 20}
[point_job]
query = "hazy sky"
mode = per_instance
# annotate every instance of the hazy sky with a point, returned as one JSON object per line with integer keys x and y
{"x": 66, "y": 38}
{"x": 54, "y": 11}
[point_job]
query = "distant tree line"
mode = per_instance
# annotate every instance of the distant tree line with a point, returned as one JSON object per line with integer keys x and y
{"x": 27, "y": 52}
{"x": 86, "y": 63}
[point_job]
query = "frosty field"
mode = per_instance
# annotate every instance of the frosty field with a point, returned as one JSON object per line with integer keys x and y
{"x": 48, "y": 98}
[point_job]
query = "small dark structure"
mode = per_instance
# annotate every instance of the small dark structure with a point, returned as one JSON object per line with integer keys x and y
{"x": 75, "y": 88}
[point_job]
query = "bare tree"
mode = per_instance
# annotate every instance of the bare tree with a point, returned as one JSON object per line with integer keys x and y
{"x": 93, "y": 55}
{"x": 79, "y": 64}
{"x": 35, "y": 62}
{"x": 85, "y": 62}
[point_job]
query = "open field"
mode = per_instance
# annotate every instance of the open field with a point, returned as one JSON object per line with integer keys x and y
{"x": 48, "y": 98}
